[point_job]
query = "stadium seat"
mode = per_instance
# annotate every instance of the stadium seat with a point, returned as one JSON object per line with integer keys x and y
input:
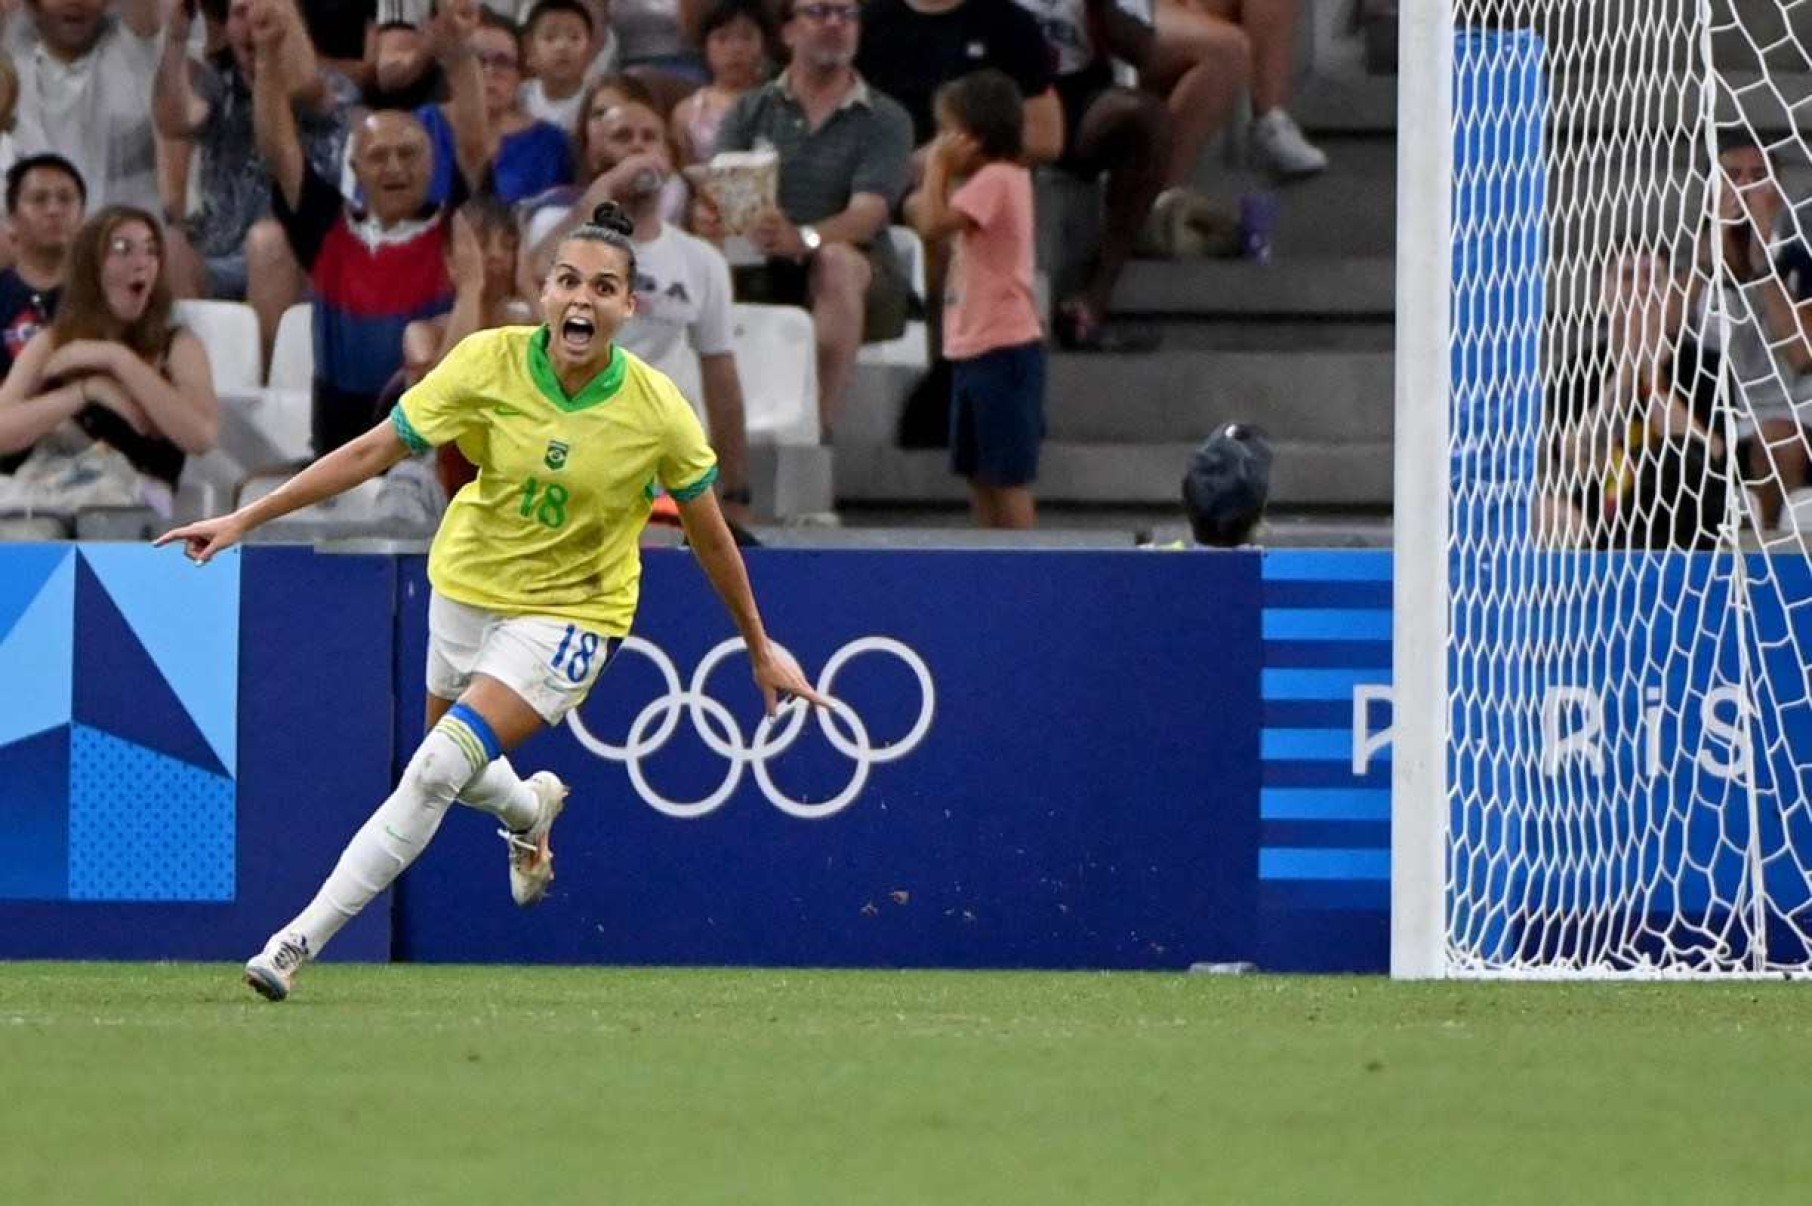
{"x": 912, "y": 348}
{"x": 34, "y": 527}
{"x": 1796, "y": 516}
{"x": 229, "y": 331}
{"x": 357, "y": 505}
{"x": 208, "y": 484}
{"x": 266, "y": 427}
{"x": 293, "y": 356}
{"x": 130, "y": 524}
{"x": 269, "y": 428}
{"x": 777, "y": 359}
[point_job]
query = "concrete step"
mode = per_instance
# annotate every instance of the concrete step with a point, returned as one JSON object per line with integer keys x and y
{"x": 1319, "y": 475}
{"x": 1288, "y": 336}
{"x": 1294, "y": 285}
{"x": 1332, "y": 397}
{"x": 1346, "y": 105}
{"x": 1349, "y": 210}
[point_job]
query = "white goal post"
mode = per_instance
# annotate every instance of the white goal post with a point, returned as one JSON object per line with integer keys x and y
{"x": 1602, "y": 754}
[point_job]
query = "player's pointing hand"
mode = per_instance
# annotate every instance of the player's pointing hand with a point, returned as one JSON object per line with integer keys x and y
{"x": 778, "y": 675}
{"x": 202, "y": 540}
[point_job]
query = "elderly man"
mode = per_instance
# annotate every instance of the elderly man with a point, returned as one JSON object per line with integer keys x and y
{"x": 844, "y": 150}
{"x": 230, "y": 247}
{"x": 377, "y": 269}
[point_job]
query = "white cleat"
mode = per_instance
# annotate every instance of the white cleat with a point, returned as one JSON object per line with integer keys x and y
{"x": 531, "y": 857}
{"x": 272, "y": 971}
{"x": 1280, "y": 147}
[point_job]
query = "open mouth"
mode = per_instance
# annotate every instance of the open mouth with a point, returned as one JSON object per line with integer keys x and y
{"x": 577, "y": 332}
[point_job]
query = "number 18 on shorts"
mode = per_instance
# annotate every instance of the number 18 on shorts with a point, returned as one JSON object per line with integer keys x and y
{"x": 550, "y": 662}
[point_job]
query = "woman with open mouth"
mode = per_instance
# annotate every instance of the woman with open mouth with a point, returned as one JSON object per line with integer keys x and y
{"x": 103, "y": 406}
{"x": 535, "y": 569}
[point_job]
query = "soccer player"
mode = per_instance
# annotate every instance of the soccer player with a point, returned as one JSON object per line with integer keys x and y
{"x": 535, "y": 568}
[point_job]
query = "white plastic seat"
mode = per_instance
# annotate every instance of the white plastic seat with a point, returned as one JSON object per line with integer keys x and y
{"x": 229, "y": 331}
{"x": 266, "y": 426}
{"x": 912, "y": 348}
{"x": 777, "y": 361}
{"x": 280, "y": 415}
{"x": 1796, "y": 516}
{"x": 293, "y": 355}
{"x": 34, "y": 528}
{"x": 357, "y": 505}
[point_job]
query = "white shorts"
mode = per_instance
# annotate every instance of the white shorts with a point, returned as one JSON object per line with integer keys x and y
{"x": 551, "y": 663}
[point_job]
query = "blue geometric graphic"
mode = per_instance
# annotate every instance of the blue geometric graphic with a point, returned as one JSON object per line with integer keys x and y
{"x": 118, "y": 724}
{"x": 34, "y": 820}
{"x": 143, "y": 826}
{"x": 28, "y": 567}
{"x": 119, "y": 688}
{"x": 1327, "y": 629}
{"x": 35, "y": 595}
{"x": 187, "y": 619}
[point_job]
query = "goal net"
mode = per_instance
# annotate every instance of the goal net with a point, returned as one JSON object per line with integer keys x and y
{"x": 1604, "y": 609}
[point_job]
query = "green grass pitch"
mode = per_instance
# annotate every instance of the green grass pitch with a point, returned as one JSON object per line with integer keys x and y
{"x": 145, "y": 1084}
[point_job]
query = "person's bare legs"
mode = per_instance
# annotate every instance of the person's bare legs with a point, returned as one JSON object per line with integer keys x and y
{"x": 1269, "y": 26}
{"x": 1008, "y": 506}
{"x": 839, "y": 282}
{"x": 273, "y": 280}
{"x": 1127, "y": 135}
{"x": 1201, "y": 66}
{"x": 186, "y": 271}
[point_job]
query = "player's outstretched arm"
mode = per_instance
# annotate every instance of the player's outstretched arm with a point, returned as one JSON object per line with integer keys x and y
{"x": 337, "y": 472}
{"x": 776, "y": 672}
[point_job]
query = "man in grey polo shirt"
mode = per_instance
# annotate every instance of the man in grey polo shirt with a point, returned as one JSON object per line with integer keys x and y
{"x": 844, "y": 150}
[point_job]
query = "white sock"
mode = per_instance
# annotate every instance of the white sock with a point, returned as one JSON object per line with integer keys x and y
{"x": 447, "y": 760}
{"x": 499, "y": 791}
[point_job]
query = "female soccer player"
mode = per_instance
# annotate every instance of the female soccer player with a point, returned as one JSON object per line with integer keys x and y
{"x": 535, "y": 567}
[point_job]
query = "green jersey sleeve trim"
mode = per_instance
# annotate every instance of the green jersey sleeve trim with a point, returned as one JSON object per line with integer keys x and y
{"x": 406, "y": 430}
{"x": 601, "y": 388}
{"x": 688, "y": 493}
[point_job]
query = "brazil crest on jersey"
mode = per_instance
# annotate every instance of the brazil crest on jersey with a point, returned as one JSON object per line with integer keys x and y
{"x": 552, "y": 523}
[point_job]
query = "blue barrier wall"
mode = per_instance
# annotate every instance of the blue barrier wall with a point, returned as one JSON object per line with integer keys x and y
{"x": 1077, "y": 791}
{"x": 183, "y": 751}
{"x": 1048, "y": 759}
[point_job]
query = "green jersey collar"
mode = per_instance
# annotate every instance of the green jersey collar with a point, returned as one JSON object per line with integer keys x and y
{"x": 601, "y": 388}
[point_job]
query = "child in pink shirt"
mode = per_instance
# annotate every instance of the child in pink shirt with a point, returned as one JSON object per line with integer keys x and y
{"x": 976, "y": 189}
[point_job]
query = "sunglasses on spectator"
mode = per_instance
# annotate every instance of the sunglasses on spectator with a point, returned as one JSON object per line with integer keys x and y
{"x": 826, "y": 13}
{"x": 497, "y": 60}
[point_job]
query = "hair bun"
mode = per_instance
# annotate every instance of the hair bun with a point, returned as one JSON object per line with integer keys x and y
{"x": 610, "y": 216}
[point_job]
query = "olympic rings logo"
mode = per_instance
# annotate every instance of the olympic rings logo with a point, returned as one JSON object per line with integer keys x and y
{"x": 717, "y": 728}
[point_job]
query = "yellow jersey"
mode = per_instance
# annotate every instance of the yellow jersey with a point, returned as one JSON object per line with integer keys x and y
{"x": 551, "y": 525}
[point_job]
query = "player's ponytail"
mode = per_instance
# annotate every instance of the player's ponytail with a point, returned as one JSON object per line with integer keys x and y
{"x": 611, "y": 224}
{"x": 611, "y": 216}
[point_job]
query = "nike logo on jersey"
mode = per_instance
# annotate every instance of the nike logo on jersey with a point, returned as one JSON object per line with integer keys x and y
{"x": 505, "y": 409}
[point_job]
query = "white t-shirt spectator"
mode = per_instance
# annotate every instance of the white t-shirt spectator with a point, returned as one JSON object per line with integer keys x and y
{"x": 682, "y": 307}
{"x": 96, "y": 111}
{"x": 565, "y": 113}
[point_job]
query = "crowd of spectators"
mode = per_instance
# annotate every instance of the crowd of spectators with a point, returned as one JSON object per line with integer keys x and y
{"x": 387, "y": 160}
{"x": 1689, "y": 386}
